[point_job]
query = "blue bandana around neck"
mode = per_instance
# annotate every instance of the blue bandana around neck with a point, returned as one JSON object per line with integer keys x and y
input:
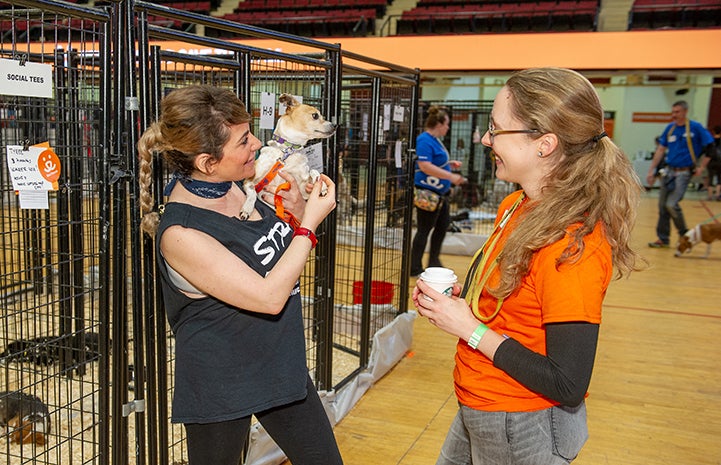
{"x": 207, "y": 190}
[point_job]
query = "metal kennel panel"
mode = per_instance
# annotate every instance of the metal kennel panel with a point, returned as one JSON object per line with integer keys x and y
{"x": 375, "y": 149}
{"x": 54, "y": 325}
{"x": 168, "y": 71}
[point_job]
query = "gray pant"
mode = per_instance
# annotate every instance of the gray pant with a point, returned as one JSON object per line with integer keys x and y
{"x": 552, "y": 436}
{"x": 671, "y": 191}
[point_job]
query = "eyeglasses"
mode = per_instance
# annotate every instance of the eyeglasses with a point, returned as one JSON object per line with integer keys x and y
{"x": 495, "y": 132}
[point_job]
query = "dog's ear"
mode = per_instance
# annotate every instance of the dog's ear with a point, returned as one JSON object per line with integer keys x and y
{"x": 289, "y": 101}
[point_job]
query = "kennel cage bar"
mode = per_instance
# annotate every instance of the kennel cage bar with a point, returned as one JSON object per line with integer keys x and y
{"x": 65, "y": 9}
{"x": 164, "y": 33}
{"x": 73, "y": 69}
{"x": 231, "y": 26}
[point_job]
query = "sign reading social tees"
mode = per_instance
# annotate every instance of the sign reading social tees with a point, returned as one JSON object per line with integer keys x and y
{"x": 25, "y": 78}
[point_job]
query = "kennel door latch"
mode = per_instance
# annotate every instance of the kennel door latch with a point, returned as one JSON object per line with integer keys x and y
{"x": 135, "y": 406}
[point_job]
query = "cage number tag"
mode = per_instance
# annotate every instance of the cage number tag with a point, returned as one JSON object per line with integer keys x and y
{"x": 267, "y": 110}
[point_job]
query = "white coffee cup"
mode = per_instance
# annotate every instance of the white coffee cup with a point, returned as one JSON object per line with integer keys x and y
{"x": 440, "y": 279}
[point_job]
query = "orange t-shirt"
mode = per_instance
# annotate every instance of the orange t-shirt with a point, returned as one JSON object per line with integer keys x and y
{"x": 573, "y": 292}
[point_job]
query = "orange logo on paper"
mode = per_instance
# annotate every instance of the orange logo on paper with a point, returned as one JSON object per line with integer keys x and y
{"x": 49, "y": 165}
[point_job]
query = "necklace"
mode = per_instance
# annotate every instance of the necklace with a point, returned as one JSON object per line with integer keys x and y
{"x": 480, "y": 270}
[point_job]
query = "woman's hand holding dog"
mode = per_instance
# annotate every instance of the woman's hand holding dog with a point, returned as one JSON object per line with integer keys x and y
{"x": 294, "y": 202}
{"x": 292, "y": 198}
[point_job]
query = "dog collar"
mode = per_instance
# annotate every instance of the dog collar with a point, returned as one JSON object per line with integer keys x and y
{"x": 287, "y": 147}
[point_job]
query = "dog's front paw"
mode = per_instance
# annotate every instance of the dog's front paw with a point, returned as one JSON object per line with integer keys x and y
{"x": 315, "y": 176}
{"x": 250, "y": 198}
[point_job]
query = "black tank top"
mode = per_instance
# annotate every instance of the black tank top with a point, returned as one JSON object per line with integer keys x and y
{"x": 229, "y": 362}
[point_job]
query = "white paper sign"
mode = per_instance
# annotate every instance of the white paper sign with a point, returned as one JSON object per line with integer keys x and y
{"x": 398, "y": 152}
{"x": 29, "y": 80}
{"x": 35, "y": 169}
{"x": 364, "y": 126}
{"x": 267, "y": 110}
{"x": 381, "y": 132}
{"x": 34, "y": 200}
{"x": 315, "y": 156}
{"x": 398, "y": 113}
{"x": 386, "y": 117}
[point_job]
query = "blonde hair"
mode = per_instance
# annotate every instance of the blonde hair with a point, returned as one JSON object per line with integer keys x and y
{"x": 193, "y": 120}
{"x": 593, "y": 181}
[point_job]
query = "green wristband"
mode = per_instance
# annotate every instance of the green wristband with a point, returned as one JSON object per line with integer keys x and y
{"x": 477, "y": 335}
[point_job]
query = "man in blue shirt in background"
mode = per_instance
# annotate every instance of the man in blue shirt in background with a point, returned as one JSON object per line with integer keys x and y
{"x": 683, "y": 142}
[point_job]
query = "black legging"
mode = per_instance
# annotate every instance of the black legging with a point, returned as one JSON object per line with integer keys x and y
{"x": 300, "y": 429}
{"x": 438, "y": 221}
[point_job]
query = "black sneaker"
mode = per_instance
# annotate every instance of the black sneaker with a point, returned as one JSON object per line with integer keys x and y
{"x": 658, "y": 244}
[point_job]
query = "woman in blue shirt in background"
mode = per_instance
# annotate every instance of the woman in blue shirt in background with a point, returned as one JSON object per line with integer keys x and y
{"x": 433, "y": 172}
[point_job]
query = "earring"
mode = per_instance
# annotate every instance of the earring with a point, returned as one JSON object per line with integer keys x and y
{"x": 540, "y": 154}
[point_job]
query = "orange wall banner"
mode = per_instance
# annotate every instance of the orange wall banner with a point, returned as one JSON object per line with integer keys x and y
{"x": 667, "y": 49}
{"x": 650, "y": 117}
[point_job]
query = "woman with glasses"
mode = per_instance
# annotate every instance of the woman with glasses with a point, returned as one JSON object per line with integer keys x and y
{"x": 434, "y": 176}
{"x": 528, "y": 315}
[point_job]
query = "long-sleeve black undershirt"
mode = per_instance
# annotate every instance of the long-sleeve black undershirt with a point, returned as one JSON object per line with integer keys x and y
{"x": 563, "y": 375}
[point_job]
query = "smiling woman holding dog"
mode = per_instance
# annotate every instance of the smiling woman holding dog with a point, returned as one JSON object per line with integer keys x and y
{"x": 528, "y": 316}
{"x": 230, "y": 286}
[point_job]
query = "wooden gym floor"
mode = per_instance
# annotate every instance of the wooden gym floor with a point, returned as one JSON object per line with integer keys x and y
{"x": 655, "y": 395}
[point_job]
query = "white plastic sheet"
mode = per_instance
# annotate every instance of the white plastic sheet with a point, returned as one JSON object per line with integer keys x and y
{"x": 390, "y": 344}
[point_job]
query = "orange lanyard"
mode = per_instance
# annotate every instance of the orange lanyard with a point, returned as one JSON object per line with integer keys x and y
{"x": 480, "y": 270}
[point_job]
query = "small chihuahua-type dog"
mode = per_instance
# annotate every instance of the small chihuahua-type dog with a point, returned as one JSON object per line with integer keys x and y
{"x": 25, "y": 416}
{"x": 700, "y": 233}
{"x": 299, "y": 124}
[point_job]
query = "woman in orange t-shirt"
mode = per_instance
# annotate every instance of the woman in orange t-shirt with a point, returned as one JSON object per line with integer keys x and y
{"x": 528, "y": 315}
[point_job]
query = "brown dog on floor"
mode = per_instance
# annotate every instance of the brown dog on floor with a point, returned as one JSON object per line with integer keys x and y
{"x": 25, "y": 416}
{"x": 707, "y": 233}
